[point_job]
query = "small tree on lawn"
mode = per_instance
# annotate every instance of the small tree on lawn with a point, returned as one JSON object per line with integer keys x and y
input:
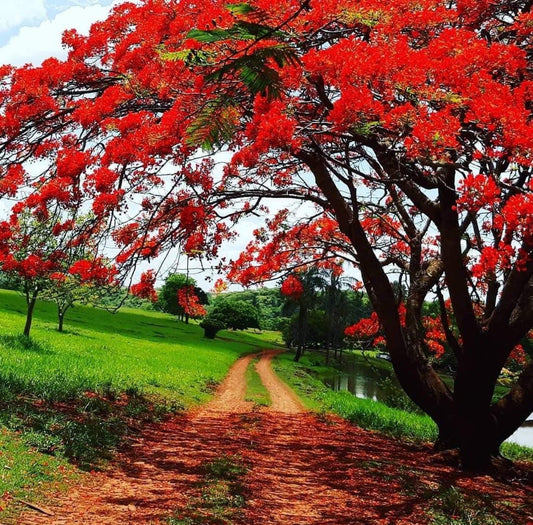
{"x": 84, "y": 281}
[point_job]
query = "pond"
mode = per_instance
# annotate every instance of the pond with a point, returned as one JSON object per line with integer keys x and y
{"x": 369, "y": 382}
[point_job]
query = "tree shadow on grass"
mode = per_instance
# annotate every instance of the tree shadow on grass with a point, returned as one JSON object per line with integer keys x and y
{"x": 22, "y": 343}
{"x": 86, "y": 430}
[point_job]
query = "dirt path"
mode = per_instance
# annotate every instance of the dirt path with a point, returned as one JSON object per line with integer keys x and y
{"x": 301, "y": 470}
{"x": 283, "y": 398}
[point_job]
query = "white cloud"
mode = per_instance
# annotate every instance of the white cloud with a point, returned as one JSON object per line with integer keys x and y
{"x": 34, "y": 44}
{"x": 15, "y": 13}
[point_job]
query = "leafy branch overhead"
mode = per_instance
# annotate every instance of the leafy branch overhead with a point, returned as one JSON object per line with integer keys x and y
{"x": 252, "y": 65}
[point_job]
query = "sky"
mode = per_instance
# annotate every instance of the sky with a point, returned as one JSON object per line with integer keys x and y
{"x": 30, "y": 30}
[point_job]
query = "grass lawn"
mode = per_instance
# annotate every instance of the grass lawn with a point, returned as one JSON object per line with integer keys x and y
{"x": 256, "y": 392}
{"x": 76, "y": 395}
{"x": 133, "y": 349}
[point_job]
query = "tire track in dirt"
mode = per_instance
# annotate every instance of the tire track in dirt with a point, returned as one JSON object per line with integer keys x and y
{"x": 282, "y": 397}
{"x": 230, "y": 395}
{"x": 302, "y": 470}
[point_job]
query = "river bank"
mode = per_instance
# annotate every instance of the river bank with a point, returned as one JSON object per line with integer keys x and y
{"x": 379, "y": 407}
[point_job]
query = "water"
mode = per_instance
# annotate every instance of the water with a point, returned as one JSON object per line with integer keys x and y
{"x": 366, "y": 382}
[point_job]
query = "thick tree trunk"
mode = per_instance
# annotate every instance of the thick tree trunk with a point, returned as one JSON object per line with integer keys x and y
{"x": 473, "y": 390}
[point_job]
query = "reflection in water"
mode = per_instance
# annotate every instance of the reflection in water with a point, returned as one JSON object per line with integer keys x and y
{"x": 365, "y": 382}
{"x": 524, "y": 435}
{"x": 359, "y": 385}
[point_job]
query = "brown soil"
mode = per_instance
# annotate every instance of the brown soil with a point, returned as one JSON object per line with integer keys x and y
{"x": 302, "y": 470}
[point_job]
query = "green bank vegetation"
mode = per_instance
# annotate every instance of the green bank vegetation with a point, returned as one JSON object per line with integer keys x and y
{"x": 372, "y": 415}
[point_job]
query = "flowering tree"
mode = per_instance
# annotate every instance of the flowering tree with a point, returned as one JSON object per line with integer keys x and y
{"x": 404, "y": 131}
{"x": 190, "y": 303}
{"x": 47, "y": 255}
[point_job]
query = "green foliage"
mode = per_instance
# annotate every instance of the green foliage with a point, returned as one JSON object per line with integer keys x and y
{"x": 211, "y": 327}
{"x": 10, "y": 281}
{"x": 113, "y": 298}
{"x": 234, "y": 313}
{"x": 365, "y": 413}
{"x": 229, "y": 468}
{"x": 317, "y": 329}
{"x": 213, "y": 126}
{"x": 395, "y": 397}
{"x": 268, "y": 302}
{"x": 241, "y": 9}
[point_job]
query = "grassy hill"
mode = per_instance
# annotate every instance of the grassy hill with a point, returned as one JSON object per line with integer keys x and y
{"x": 132, "y": 350}
{"x": 75, "y": 395}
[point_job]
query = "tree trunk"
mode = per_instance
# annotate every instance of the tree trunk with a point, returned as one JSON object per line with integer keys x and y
{"x": 29, "y": 313}
{"x": 60, "y": 319}
{"x": 302, "y": 331}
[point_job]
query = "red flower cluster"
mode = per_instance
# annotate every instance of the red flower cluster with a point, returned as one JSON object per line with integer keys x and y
{"x": 96, "y": 271}
{"x": 190, "y": 303}
{"x": 292, "y": 287}
{"x": 145, "y": 288}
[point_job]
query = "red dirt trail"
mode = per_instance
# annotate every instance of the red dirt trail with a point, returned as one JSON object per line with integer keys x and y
{"x": 303, "y": 470}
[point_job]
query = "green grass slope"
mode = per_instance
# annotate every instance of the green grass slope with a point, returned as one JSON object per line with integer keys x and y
{"x": 76, "y": 395}
{"x": 99, "y": 351}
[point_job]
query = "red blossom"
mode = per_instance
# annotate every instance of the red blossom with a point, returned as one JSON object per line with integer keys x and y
{"x": 292, "y": 287}
{"x": 95, "y": 271}
{"x": 190, "y": 303}
{"x": 145, "y": 288}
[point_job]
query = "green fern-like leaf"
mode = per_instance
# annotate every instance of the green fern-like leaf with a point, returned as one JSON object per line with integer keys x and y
{"x": 241, "y": 30}
{"x": 212, "y": 127}
{"x": 191, "y": 57}
{"x": 241, "y": 9}
{"x": 247, "y": 10}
